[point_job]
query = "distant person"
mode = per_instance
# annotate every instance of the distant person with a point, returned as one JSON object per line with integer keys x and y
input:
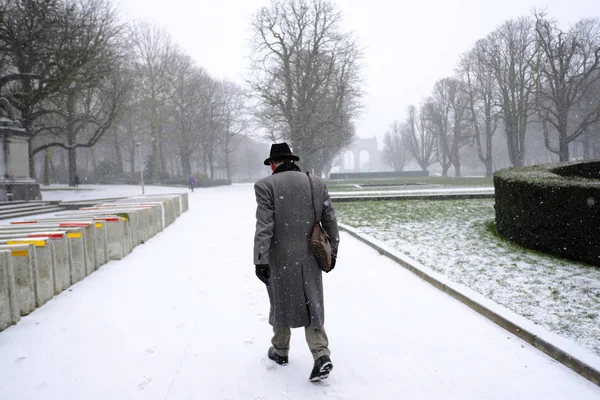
{"x": 191, "y": 182}
{"x": 284, "y": 259}
{"x": 76, "y": 181}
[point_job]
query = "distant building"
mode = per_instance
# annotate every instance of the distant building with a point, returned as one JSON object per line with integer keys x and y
{"x": 362, "y": 156}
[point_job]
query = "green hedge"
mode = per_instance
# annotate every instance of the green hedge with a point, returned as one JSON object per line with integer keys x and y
{"x": 553, "y": 208}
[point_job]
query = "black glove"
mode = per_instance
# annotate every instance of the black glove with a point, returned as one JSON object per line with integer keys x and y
{"x": 333, "y": 260}
{"x": 263, "y": 272}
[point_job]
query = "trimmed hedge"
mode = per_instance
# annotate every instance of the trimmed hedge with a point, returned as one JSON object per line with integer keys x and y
{"x": 553, "y": 208}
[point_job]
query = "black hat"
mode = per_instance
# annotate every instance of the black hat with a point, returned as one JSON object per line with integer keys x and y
{"x": 281, "y": 151}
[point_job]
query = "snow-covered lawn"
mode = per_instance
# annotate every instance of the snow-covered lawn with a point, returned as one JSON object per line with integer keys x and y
{"x": 457, "y": 239}
{"x": 408, "y": 183}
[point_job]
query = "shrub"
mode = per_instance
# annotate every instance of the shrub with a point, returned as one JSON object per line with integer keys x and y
{"x": 554, "y": 208}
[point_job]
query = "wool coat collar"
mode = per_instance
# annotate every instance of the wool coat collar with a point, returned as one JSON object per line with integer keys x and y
{"x": 286, "y": 166}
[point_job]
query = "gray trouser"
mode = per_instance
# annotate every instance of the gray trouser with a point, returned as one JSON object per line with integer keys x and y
{"x": 315, "y": 337}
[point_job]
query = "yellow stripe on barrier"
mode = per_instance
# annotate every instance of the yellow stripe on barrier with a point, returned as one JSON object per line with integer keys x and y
{"x": 74, "y": 235}
{"x": 20, "y": 253}
{"x": 124, "y": 218}
{"x": 98, "y": 224}
{"x": 36, "y": 243}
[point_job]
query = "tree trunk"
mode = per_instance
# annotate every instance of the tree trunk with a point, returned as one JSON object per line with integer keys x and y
{"x": 31, "y": 163}
{"x": 94, "y": 161}
{"x": 47, "y": 161}
{"x": 132, "y": 157}
{"x": 445, "y": 168}
{"x": 595, "y": 149}
{"x": 186, "y": 165}
{"x": 72, "y": 166}
{"x": 162, "y": 164}
{"x": 563, "y": 151}
{"x": 155, "y": 144}
{"x": 118, "y": 153}
{"x": 457, "y": 169}
{"x": 585, "y": 144}
{"x": 488, "y": 168}
{"x": 211, "y": 164}
{"x": 227, "y": 165}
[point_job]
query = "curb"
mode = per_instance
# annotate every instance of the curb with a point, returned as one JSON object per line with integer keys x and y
{"x": 566, "y": 358}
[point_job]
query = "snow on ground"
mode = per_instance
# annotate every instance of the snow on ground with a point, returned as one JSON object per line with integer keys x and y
{"x": 90, "y": 192}
{"x": 184, "y": 317}
{"x": 451, "y": 237}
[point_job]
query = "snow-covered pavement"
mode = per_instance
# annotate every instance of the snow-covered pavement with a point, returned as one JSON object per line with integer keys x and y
{"x": 184, "y": 317}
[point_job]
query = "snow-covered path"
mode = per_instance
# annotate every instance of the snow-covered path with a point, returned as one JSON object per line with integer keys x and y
{"x": 184, "y": 317}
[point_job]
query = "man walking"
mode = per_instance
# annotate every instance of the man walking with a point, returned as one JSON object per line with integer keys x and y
{"x": 284, "y": 259}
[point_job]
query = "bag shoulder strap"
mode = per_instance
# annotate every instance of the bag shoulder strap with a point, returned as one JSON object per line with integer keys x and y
{"x": 312, "y": 196}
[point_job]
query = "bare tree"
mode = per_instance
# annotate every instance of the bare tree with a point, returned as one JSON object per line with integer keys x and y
{"x": 81, "y": 116}
{"x": 87, "y": 105}
{"x": 590, "y": 138}
{"x": 212, "y": 129}
{"x": 153, "y": 52}
{"x": 511, "y": 56}
{"x": 48, "y": 46}
{"x": 305, "y": 75}
{"x": 420, "y": 138}
{"x": 437, "y": 110}
{"x": 482, "y": 94}
{"x": 395, "y": 149}
{"x": 189, "y": 85}
{"x": 569, "y": 63}
{"x": 235, "y": 119}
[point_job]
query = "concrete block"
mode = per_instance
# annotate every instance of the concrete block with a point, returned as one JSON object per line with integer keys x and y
{"x": 96, "y": 246}
{"x": 171, "y": 203}
{"x": 130, "y": 217}
{"x": 80, "y": 244}
{"x": 115, "y": 240}
{"x": 23, "y": 261}
{"x": 115, "y": 237}
{"x": 43, "y": 266}
{"x": 62, "y": 257}
{"x": 75, "y": 241}
{"x": 149, "y": 219}
{"x": 9, "y": 306}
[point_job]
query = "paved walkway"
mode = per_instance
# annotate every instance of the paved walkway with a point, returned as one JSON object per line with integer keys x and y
{"x": 183, "y": 317}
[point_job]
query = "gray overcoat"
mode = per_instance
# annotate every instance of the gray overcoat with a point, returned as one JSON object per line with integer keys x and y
{"x": 284, "y": 222}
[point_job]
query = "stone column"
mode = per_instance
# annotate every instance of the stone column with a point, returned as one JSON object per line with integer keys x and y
{"x": 15, "y": 182}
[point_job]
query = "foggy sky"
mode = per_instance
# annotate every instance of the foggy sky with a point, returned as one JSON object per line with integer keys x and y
{"x": 408, "y": 45}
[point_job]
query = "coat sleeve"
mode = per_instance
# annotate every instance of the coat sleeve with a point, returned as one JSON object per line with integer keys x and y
{"x": 265, "y": 223}
{"x": 329, "y": 221}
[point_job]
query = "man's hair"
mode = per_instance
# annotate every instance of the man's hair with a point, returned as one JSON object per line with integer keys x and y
{"x": 283, "y": 161}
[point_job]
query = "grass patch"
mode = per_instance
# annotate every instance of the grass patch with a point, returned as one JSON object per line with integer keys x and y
{"x": 411, "y": 182}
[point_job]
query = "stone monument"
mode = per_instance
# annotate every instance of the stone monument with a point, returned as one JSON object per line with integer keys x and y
{"x": 15, "y": 181}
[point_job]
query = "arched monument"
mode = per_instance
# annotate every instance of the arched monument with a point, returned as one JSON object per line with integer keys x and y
{"x": 15, "y": 181}
{"x": 362, "y": 145}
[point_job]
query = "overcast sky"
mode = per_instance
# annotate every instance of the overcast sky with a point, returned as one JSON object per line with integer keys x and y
{"x": 408, "y": 45}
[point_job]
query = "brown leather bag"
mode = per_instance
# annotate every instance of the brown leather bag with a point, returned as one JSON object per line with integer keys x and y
{"x": 320, "y": 241}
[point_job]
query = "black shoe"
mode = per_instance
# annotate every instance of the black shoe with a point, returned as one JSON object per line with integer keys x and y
{"x": 281, "y": 360}
{"x": 321, "y": 369}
